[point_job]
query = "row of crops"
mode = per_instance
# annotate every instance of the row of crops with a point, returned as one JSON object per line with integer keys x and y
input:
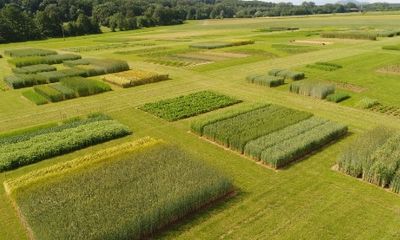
{"x": 272, "y": 134}
{"x": 188, "y": 105}
{"x": 33, "y": 145}
{"x": 125, "y": 192}
{"x": 134, "y": 78}
{"x": 67, "y": 88}
{"x": 375, "y": 157}
{"x": 36, "y": 67}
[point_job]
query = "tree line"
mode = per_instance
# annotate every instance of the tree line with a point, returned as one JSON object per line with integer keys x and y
{"x": 23, "y": 20}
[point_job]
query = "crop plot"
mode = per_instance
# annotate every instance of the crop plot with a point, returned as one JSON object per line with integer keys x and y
{"x": 124, "y": 192}
{"x": 215, "y": 45}
{"x": 374, "y": 157}
{"x": 188, "y": 106}
{"x": 107, "y": 46}
{"x": 390, "y": 69}
{"x": 356, "y": 35}
{"x": 87, "y": 67}
{"x": 20, "y": 149}
{"x": 266, "y": 80}
{"x": 325, "y": 66}
{"x": 315, "y": 89}
{"x": 294, "y": 49}
{"x": 133, "y": 78}
{"x": 272, "y": 134}
{"x": 28, "y": 52}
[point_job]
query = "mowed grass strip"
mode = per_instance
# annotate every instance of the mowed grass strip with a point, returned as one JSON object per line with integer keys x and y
{"x": 124, "y": 196}
{"x": 23, "y": 149}
{"x": 189, "y": 105}
{"x": 237, "y": 131}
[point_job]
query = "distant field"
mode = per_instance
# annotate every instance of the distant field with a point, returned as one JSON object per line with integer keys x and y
{"x": 349, "y": 80}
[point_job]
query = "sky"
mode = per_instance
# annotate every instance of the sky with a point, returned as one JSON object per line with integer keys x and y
{"x": 329, "y": 1}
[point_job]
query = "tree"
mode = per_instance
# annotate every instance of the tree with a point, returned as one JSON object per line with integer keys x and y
{"x": 49, "y": 21}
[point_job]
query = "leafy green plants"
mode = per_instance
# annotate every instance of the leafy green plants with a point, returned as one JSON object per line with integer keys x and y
{"x": 337, "y": 97}
{"x": 34, "y": 97}
{"x": 53, "y": 95}
{"x": 187, "y": 106}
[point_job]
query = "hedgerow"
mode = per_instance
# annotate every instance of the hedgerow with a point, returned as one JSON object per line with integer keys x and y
{"x": 237, "y": 131}
{"x": 85, "y": 87}
{"x": 312, "y": 88}
{"x": 139, "y": 192}
{"x": 265, "y": 80}
{"x": 22, "y": 150}
{"x": 26, "y": 52}
{"x": 325, "y": 66}
{"x": 291, "y": 149}
{"x": 337, "y": 97}
{"x": 49, "y": 93}
{"x": 358, "y": 35}
{"x": 189, "y": 105}
{"x": 135, "y": 78}
{"x": 34, "y": 97}
{"x": 34, "y": 69}
{"x": 35, "y": 60}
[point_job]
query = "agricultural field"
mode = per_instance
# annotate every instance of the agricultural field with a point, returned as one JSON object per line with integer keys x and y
{"x": 80, "y": 190}
{"x": 262, "y": 128}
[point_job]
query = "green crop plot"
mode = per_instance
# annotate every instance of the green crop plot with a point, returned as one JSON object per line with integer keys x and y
{"x": 112, "y": 194}
{"x": 188, "y": 105}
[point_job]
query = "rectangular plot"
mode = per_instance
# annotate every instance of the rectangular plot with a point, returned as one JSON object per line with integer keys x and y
{"x": 109, "y": 195}
{"x": 187, "y": 106}
{"x": 237, "y": 131}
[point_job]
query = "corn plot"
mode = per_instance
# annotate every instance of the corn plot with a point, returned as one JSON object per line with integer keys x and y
{"x": 375, "y": 157}
{"x": 124, "y": 192}
{"x": 272, "y": 134}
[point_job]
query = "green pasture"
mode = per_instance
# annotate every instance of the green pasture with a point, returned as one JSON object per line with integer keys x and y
{"x": 306, "y": 200}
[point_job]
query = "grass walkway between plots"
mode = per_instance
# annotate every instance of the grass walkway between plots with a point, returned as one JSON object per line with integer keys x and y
{"x": 20, "y": 149}
{"x": 189, "y": 105}
{"x": 272, "y": 134}
{"x": 125, "y": 192}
